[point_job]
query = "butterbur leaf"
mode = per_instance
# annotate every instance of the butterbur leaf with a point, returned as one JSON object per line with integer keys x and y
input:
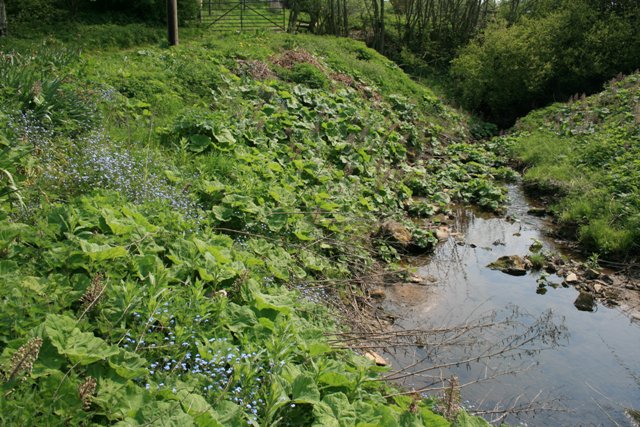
{"x": 84, "y": 348}
{"x": 342, "y": 409}
{"x": 80, "y": 347}
{"x": 303, "y": 231}
{"x": 277, "y": 222}
{"x": 230, "y": 414}
{"x": 224, "y": 139}
{"x": 465, "y": 420}
{"x": 305, "y": 390}
{"x": 128, "y": 365}
{"x": 57, "y": 327}
{"x": 199, "y": 143}
{"x": 222, "y": 213}
{"x": 271, "y": 302}
{"x": 49, "y": 361}
{"x": 9, "y": 231}
{"x": 240, "y": 317}
{"x": 435, "y": 420}
{"x": 335, "y": 379}
{"x": 212, "y": 187}
{"x": 317, "y": 349}
{"x": 167, "y": 414}
{"x": 323, "y": 416}
{"x": 199, "y": 409}
{"x": 117, "y": 226}
{"x": 147, "y": 264}
{"x": 120, "y": 399}
{"x": 102, "y": 252}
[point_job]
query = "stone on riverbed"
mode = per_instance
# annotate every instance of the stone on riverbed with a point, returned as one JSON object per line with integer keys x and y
{"x": 585, "y": 301}
{"x": 376, "y": 358}
{"x": 395, "y": 234}
{"x": 442, "y": 233}
{"x": 510, "y": 264}
{"x": 377, "y": 293}
{"x": 572, "y": 278}
{"x": 537, "y": 211}
{"x": 591, "y": 274}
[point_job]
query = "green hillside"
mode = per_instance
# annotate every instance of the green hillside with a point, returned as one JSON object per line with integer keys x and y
{"x": 180, "y": 228}
{"x": 586, "y": 153}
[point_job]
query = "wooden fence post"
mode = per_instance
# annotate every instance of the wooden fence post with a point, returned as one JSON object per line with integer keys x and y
{"x": 172, "y": 21}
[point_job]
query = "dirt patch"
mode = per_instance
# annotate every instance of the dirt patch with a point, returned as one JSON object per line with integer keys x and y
{"x": 257, "y": 70}
{"x": 289, "y": 58}
{"x": 344, "y": 79}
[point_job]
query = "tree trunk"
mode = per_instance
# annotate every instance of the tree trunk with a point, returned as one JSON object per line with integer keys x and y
{"x": 4, "y": 27}
{"x": 172, "y": 22}
{"x": 381, "y": 38}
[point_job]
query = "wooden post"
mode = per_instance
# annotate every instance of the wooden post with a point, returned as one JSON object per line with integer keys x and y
{"x": 172, "y": 21}
{"x": 4, "y": 30}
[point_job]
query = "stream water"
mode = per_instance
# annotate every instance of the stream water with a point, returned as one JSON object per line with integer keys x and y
{"x": 532, "y": 350}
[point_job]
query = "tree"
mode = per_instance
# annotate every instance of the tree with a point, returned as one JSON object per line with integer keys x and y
{"x": 3, "y": 20}
{"x": 513, "y": 67}
{"x": 435, "y": 29}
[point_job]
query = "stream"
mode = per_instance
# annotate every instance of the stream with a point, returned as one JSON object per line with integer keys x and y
{"x": 531, "y": 352}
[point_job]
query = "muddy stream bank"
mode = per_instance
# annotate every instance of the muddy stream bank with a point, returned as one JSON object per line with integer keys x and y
{"x": 510, "y": 342}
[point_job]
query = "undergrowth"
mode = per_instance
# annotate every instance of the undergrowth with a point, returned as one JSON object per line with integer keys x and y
{"x": 585, "y": 155}
{"x": 177, "y": 227}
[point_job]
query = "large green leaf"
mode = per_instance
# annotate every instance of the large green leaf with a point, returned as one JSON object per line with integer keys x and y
{"x": 431, "y": 419}
{"x": 198, "y": 408}
{"x": 324, "y": 416}
{"x": 165, "y": 414}
{"x": 128, "y": 365}
{"x": 465, "y": 420}
{"x": 9, "y": 231}
{"x": 305, "y": 390}
{"x": 240, "y": 317}
{"x": 199, "y": 143}
{"x": 102, "y": 252}
{"x": 272, "y": 302}
{"x": 335, "y": 379}
{"x": 230, "y": 414}
{"x": 120, "y": 399}
{"x": 80, "y": 347}
{"x": 224, "y": 139}
{"x": 342, "y": 409}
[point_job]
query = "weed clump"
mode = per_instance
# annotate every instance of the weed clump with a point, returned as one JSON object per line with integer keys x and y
{"x": 299, "y": 66}
{"x": 308, "y": 75}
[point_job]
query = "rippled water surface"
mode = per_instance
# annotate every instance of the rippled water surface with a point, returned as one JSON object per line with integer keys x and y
{"x": 588, "y": 369}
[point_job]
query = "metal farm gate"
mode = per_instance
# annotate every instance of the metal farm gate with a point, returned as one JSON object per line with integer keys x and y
{"x": 242, "y": 15}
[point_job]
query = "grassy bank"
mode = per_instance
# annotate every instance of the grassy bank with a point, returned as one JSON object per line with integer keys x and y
{"x": 180, "y": 227}
{"x": 584, "y": 155}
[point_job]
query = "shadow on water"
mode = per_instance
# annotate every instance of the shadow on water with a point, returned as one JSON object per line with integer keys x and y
{"x": 535, "y": 356}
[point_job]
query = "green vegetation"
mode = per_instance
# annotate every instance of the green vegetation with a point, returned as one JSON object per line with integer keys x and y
{"x": 178, "y": 227}
{"x": 38, "y": 12}
{"x": 548, "y": 51}
{"x": 585, "y": 155}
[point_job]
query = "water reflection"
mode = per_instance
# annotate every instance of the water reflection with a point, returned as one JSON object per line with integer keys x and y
{"x": 492, "y": 329}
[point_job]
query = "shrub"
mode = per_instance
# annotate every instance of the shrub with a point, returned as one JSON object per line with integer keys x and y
{"x": 510, "y": 69}
{"x": 307, "y": 74}
{"x": 49, "y": 12}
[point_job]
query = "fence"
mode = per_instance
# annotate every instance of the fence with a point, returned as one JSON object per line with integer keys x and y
{"x": 243, "y": 15}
